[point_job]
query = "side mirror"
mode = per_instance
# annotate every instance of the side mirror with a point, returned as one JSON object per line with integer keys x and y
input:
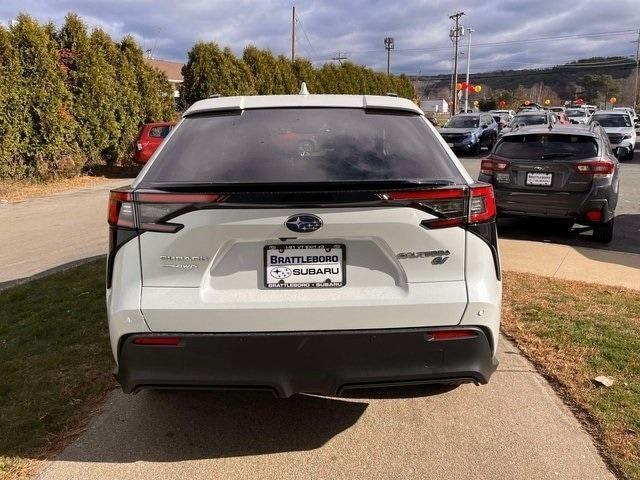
{"x": 483, "y": 126}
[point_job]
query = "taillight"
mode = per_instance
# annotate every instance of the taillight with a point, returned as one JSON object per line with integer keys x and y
{"x": 489, "y": 165}
{"x": 482, "y": 207}
{"x": 121, "y": 209}
{"x": 152, "y": 211}
{"x": 596, "y": 168}
{"x": 449, "y": 205}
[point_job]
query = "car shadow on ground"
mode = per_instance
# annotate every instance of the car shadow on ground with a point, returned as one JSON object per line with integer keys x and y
{"x": 625, "y": 239}
{"x": 170, "y": 426}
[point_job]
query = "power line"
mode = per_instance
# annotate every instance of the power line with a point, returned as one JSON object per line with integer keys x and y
{"x": 304, "y": 32}
{"x": 507, "y": 42}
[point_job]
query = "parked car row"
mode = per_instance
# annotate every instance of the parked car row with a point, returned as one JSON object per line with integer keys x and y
{"x": 554, "y": 163}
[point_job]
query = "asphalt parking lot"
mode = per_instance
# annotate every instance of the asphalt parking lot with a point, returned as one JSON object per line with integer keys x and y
{"x": 627, "y": 229}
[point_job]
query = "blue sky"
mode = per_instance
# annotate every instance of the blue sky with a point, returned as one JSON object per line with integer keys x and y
{"x": 504, "y": 29}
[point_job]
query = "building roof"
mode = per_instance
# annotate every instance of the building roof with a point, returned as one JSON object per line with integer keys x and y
{"x": 281, "y": 101}
{"x": 173, "y": 70}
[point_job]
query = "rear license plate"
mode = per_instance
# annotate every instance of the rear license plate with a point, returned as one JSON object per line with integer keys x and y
{"x": 305, "y": 266}
{"x": 538, "y": 179}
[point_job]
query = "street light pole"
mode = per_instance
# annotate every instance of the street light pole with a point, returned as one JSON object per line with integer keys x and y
{"x": 466, "y": 92}
{"x": 388, "y": 45}
{"x": 635, "y": 91}
{"x": 293, "y": 34}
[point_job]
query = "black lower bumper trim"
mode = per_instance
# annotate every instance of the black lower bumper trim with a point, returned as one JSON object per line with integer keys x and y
{"x": 325, "y": 363}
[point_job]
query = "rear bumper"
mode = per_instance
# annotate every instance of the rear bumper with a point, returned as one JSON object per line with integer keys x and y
{"x": 550, "y": 204}
{"x": 326, "y": 362}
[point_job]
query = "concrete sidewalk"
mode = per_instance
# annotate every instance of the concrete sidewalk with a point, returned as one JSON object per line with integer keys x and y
{"x": 41, "y": 234}
{"x": 591, "y": 265}
{"x": 514, "y": 428}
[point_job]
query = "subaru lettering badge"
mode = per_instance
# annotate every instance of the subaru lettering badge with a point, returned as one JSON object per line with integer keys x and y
{"x": 303, "y": 223}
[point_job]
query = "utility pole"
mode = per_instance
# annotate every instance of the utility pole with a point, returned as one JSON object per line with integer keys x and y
{"x": 339, "y": 57}
{"x": 466, "y": 92}
{"x": 293, "y": 34}
{"x": 388, "y": 45}
{"x": 455, "y": 35}
{"x": 635, "y": 91}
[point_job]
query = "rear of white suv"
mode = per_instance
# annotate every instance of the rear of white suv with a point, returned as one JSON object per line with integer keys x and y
{"x": 303, "y": 243}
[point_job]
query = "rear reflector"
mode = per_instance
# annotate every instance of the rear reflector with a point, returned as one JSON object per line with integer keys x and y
{"x": 594, "y": 215}
{"x": 160, "y": 341}
{"x": 458, "y": 334}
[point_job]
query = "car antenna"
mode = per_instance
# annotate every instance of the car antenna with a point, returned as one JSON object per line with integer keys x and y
{"x": 303, "y": 89}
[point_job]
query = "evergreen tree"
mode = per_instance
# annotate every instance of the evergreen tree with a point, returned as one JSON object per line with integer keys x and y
{"x": 96, "y": 99}
{"x": 50, "y": 146}
{"x": 264, "y": 69}
{"x": 210, "y": 70}
{"x": 304, "y": 72}
{"x": 14, "y": 121}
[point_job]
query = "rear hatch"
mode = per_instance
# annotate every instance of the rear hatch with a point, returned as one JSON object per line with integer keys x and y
{"x": 301, "y": 219}
{"x": 543, "y": 163}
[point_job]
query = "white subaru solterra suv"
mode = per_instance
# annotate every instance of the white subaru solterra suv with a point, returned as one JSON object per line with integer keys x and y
{"x": 303, "y": 243}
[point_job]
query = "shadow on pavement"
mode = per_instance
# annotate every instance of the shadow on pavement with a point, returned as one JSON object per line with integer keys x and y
{"x": 169, "y": 426}
{"x": 106, "y": 171}
{"x": 626, "y": 233}
{"x": 402, "y": 392}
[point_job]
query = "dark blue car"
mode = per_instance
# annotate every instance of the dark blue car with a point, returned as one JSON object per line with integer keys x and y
{"x": 469, "y": 132}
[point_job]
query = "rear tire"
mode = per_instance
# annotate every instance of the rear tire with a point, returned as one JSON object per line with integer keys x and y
{"x": 603, "y": 233}
{"x": 630, "y": 156}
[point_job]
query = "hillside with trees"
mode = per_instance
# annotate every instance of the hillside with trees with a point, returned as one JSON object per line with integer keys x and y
{"x": 594, "y": 79}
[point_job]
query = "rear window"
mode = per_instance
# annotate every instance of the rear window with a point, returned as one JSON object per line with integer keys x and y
{"x": 547, "y": 146}
{"x": 530, "y": 120}
{"x": 159, "y": 132}
{"x": 293, "y": 145}
{"x": 612, "y": 120}
{"x": 462, "y": 122}
{"x": 575, "y": 113}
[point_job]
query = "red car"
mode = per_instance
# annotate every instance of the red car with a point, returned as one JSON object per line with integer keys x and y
{"x": 151, "y": 136}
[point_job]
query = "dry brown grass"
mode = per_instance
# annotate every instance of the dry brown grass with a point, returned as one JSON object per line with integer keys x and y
{"x": 18, "y": 190}
{"x": 573, "y": 332}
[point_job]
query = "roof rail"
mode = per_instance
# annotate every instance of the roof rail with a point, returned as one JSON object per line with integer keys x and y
{"x": 391, "y": 94}
{"x": 215, "y": 95}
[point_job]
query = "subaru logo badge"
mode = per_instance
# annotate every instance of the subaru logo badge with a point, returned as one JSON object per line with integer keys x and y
{"x": 303, "y": 223}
